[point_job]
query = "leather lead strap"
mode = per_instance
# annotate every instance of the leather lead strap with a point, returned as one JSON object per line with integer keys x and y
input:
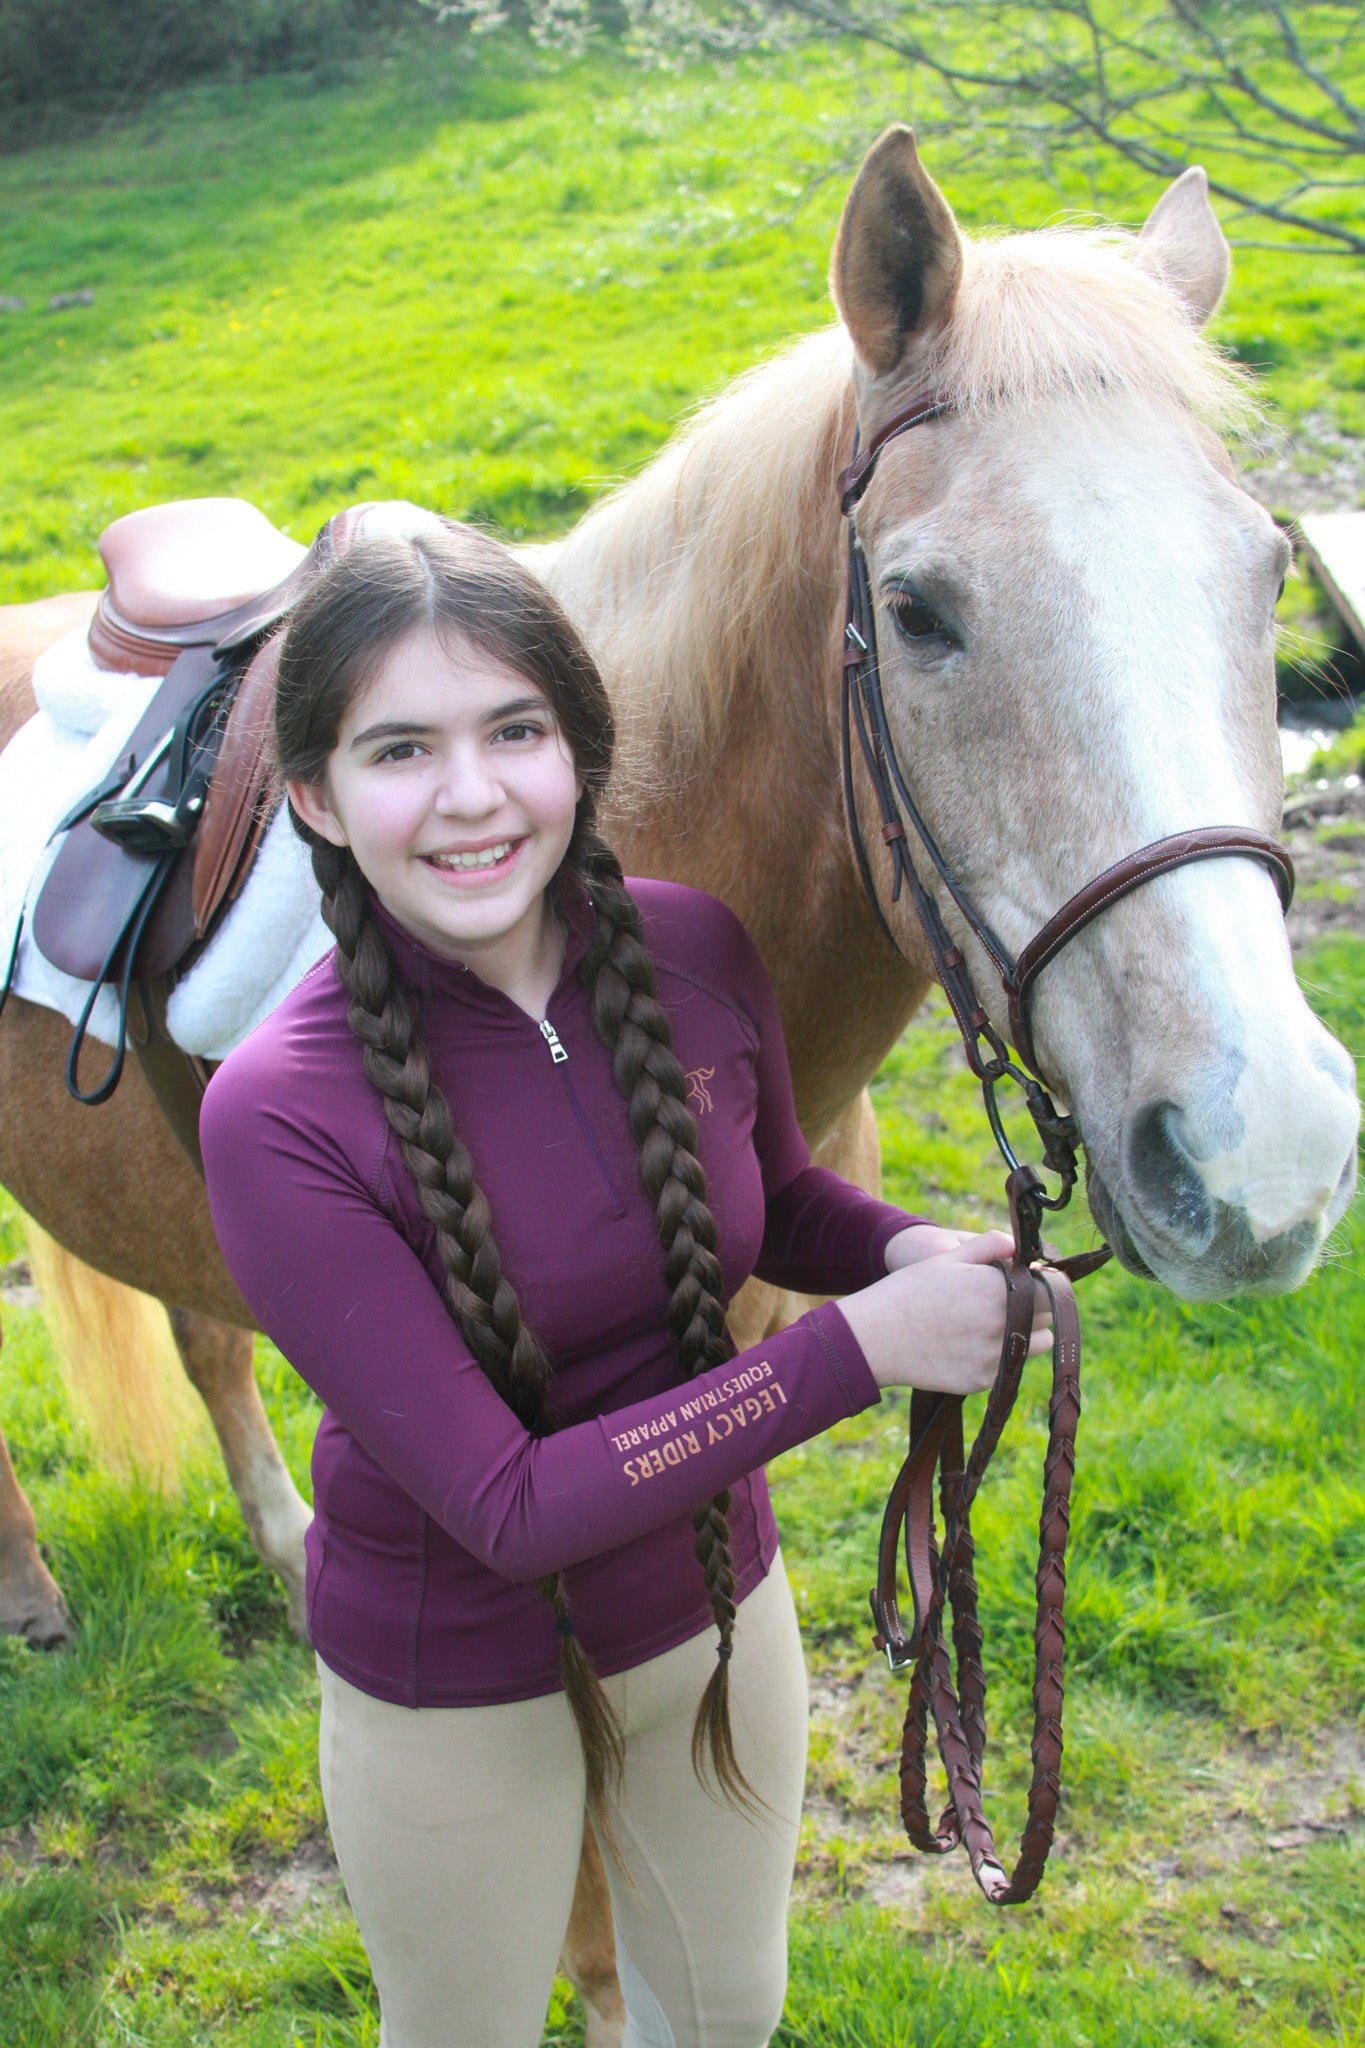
{"x": 942, "y": 1580}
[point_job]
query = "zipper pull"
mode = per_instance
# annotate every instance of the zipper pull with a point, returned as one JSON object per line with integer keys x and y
{"x": 551, "y": 1037}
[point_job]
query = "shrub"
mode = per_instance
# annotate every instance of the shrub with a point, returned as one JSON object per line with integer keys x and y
{"x": 102, "y": 54}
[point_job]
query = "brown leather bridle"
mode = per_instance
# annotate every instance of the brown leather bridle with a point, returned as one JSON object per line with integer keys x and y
{"x": 941, "y": 1580}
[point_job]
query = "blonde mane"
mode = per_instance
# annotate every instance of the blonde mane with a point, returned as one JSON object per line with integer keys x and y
{"x": 718, "y": 562}
{"x": 721, "y": 564}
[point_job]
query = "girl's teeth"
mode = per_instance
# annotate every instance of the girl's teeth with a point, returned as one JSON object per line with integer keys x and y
{"x": 489, "y": 857}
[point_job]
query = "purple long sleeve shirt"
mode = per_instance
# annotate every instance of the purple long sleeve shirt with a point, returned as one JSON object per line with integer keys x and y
{"x": 434, "y": 1508}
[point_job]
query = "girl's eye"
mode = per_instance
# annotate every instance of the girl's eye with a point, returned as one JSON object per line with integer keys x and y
{"x": 916, "y": 620}
{"x": 398, "y": 750}
{"x": 520, "y": 730}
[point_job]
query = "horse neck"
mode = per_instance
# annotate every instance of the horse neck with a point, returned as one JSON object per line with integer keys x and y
{"x": 711, "y": 591}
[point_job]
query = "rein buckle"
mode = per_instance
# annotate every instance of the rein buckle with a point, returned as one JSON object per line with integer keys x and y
{"x": 899, "y": 1653}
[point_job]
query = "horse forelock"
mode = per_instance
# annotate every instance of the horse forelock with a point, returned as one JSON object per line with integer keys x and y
{"x": 1071, "y": 314}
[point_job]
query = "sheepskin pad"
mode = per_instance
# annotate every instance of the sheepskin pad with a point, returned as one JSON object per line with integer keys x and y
{"x": 265, "y": 944}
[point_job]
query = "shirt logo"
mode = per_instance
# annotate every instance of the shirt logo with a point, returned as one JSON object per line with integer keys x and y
{"x": 697, "y": 1090}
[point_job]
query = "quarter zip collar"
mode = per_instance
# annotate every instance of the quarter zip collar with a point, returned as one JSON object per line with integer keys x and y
{"x": 436, "y": 976}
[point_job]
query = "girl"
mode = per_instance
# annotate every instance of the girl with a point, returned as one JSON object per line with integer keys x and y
{"x": 489, "y": 1177}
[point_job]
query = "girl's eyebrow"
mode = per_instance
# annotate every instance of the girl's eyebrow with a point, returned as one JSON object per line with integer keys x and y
{"x": 514, "y": 710}
{"x": 405, "y": 729}
{"x": 391, "y": 729}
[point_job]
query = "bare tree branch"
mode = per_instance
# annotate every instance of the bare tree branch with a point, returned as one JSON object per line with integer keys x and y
{"x": 1270, "y": 94}
{"x": 1271, "y": 103}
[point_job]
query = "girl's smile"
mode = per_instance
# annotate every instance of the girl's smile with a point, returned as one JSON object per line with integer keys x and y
{"x": 454, "y": 788}
{"x": 472, "y": 862}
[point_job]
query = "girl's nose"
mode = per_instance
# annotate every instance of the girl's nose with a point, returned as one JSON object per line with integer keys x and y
{"x": 468, "y": 787}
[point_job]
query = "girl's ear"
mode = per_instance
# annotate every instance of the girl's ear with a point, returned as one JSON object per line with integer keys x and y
{"x": 310, "y": 801}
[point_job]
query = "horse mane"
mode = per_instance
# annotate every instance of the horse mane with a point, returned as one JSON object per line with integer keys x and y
{"x": 721, "y": 563}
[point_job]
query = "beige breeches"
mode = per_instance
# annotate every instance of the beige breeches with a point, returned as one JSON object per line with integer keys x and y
{"x": 458, "y": 1832}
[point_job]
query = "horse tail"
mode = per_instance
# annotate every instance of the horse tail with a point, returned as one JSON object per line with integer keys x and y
{"x": 119, "y": 1362}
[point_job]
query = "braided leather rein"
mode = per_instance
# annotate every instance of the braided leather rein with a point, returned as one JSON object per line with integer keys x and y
{"x": 941, "y": 1578}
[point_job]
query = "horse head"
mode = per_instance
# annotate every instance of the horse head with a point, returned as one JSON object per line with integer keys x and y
{"x": 1075, "y": 610}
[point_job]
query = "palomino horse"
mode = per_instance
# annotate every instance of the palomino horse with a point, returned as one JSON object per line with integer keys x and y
{"x": 1077, "y": 609}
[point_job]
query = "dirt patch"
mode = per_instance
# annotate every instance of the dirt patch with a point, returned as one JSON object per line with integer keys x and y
{"x": 1317, "y": 468}
{"x": 1225, "y": 1806}
{"x": 19, "y": 1850}
{"x": 309, "y": 1882}
{"x": 1324, "y": 829}
{"x": 16, "y": 1285}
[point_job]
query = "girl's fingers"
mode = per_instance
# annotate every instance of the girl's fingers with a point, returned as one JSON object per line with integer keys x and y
{"x": 1041, "y": 1339}
{"x": 981, "y": 1248}
{"x": 1042, "y": 1305}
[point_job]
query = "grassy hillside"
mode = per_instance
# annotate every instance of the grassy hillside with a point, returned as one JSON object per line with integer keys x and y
{"x": 491, "y": 293}
{"x": 487, "y": 290}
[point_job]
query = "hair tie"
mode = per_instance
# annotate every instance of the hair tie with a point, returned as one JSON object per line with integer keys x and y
{"x": 725, "y": 1651}
{"x": 564, "y": 1625}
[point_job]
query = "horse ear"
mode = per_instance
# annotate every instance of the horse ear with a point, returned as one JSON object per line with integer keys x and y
{"x": 897, "y": 256}
{"x": 1182, "y": 244}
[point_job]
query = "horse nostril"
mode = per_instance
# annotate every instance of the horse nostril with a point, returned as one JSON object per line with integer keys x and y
{"x": 1165, "y": 1178}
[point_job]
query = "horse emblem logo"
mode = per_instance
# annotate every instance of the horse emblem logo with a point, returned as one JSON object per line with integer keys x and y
{"x": 697, "y": 1091}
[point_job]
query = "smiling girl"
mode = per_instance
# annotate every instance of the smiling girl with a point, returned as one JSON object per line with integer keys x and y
{"x": 458, "y": 1177}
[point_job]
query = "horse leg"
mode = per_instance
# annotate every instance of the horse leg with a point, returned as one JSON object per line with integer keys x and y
{"x": 114, "y": 1189}
{"x": 219, "y": 1361}
{"x": 852, "y": 1148}
{"x": 31, "y": 1604}
{"x": 588, "y": 1958}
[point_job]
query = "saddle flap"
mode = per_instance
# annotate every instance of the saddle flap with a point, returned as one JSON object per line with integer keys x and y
{"x": 96, "y": 885}
{"x": 242, "y": 794}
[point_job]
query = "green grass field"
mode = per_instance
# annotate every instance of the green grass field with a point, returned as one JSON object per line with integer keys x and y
{"x": 491, "y": 293}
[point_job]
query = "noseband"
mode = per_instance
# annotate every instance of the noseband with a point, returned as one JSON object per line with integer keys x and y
{"x": 941, "y": 1580}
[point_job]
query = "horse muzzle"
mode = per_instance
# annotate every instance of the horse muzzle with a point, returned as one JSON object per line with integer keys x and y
{"x": 1173, "y": 1216}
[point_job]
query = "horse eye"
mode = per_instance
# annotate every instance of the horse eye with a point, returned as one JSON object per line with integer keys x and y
{"x": 917, "y": 620}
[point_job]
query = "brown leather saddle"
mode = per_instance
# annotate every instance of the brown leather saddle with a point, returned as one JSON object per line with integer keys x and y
{"x": 154, "y": 856}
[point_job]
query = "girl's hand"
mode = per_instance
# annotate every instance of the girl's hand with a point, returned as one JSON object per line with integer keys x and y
{"x": 939, "y": 1324}
{"x": 930, "y": 1240}
{"x": 925, "y": 1241}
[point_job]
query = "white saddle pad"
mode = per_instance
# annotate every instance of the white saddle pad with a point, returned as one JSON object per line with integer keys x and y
{"x": 265, "y": 944}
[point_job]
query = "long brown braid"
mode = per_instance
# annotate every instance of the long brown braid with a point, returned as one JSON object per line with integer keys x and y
{"x": 632, "y": 1022}
{"x": 462, "y": 583}
{"x": 481, "y": 1298}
